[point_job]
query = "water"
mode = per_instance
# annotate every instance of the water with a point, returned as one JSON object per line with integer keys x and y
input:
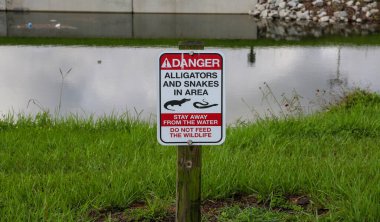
{"x": 115, "y": 25}
{"x": 148, "y": 26}
{"x": 105, "y": 80}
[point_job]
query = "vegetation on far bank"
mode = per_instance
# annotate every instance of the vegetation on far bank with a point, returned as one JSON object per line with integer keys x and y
{"x": 373, "y": 39}
{"x": 322, "y": 167}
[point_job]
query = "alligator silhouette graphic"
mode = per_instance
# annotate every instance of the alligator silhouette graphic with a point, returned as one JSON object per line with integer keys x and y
{"x": 175, "y": 103}
{"x": 203, "y": 105}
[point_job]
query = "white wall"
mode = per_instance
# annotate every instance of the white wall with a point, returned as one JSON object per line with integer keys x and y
{"x": 193, "y": 6}
{"x": 3, "y": 24}
{"x": 136, "y": 6}
{"x": 71, "y": 5}
{"x": 3, "y": 5}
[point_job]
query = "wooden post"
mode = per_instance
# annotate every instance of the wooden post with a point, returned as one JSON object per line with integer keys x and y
{"x": 188, "y": 45}
{"x": 189, "y": 167}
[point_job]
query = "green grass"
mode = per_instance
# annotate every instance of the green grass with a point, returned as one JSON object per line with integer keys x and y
{"x": 61, "y": 169}
{"x": 373, "y": 39}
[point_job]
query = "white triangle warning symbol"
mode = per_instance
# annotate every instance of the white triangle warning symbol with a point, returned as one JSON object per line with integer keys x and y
{"x": 166, "y": 64}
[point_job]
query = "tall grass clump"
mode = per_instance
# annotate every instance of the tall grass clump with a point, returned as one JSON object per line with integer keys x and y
{"x": 59, "y": 168}
{"x": 331, "y": 156}
{"x": 72, "y": 168}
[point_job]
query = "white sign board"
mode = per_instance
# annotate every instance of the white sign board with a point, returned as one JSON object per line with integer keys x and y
{"x": 191, "y": 98}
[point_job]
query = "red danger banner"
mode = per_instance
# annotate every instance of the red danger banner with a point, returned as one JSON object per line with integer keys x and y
{"x": 172, "y": 61}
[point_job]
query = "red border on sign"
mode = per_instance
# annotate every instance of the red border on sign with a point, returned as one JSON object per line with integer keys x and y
{"x": 219, "y": 117}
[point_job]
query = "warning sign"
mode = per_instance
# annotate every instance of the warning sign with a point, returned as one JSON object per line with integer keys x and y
{"x": 191, "y": 98}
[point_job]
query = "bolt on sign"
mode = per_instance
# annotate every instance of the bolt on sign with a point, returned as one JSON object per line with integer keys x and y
{"x": 191, "y": 98}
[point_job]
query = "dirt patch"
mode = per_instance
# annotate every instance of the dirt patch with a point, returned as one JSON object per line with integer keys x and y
{"x": 211, "y": 208}
{"x": 99, "y": 215}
